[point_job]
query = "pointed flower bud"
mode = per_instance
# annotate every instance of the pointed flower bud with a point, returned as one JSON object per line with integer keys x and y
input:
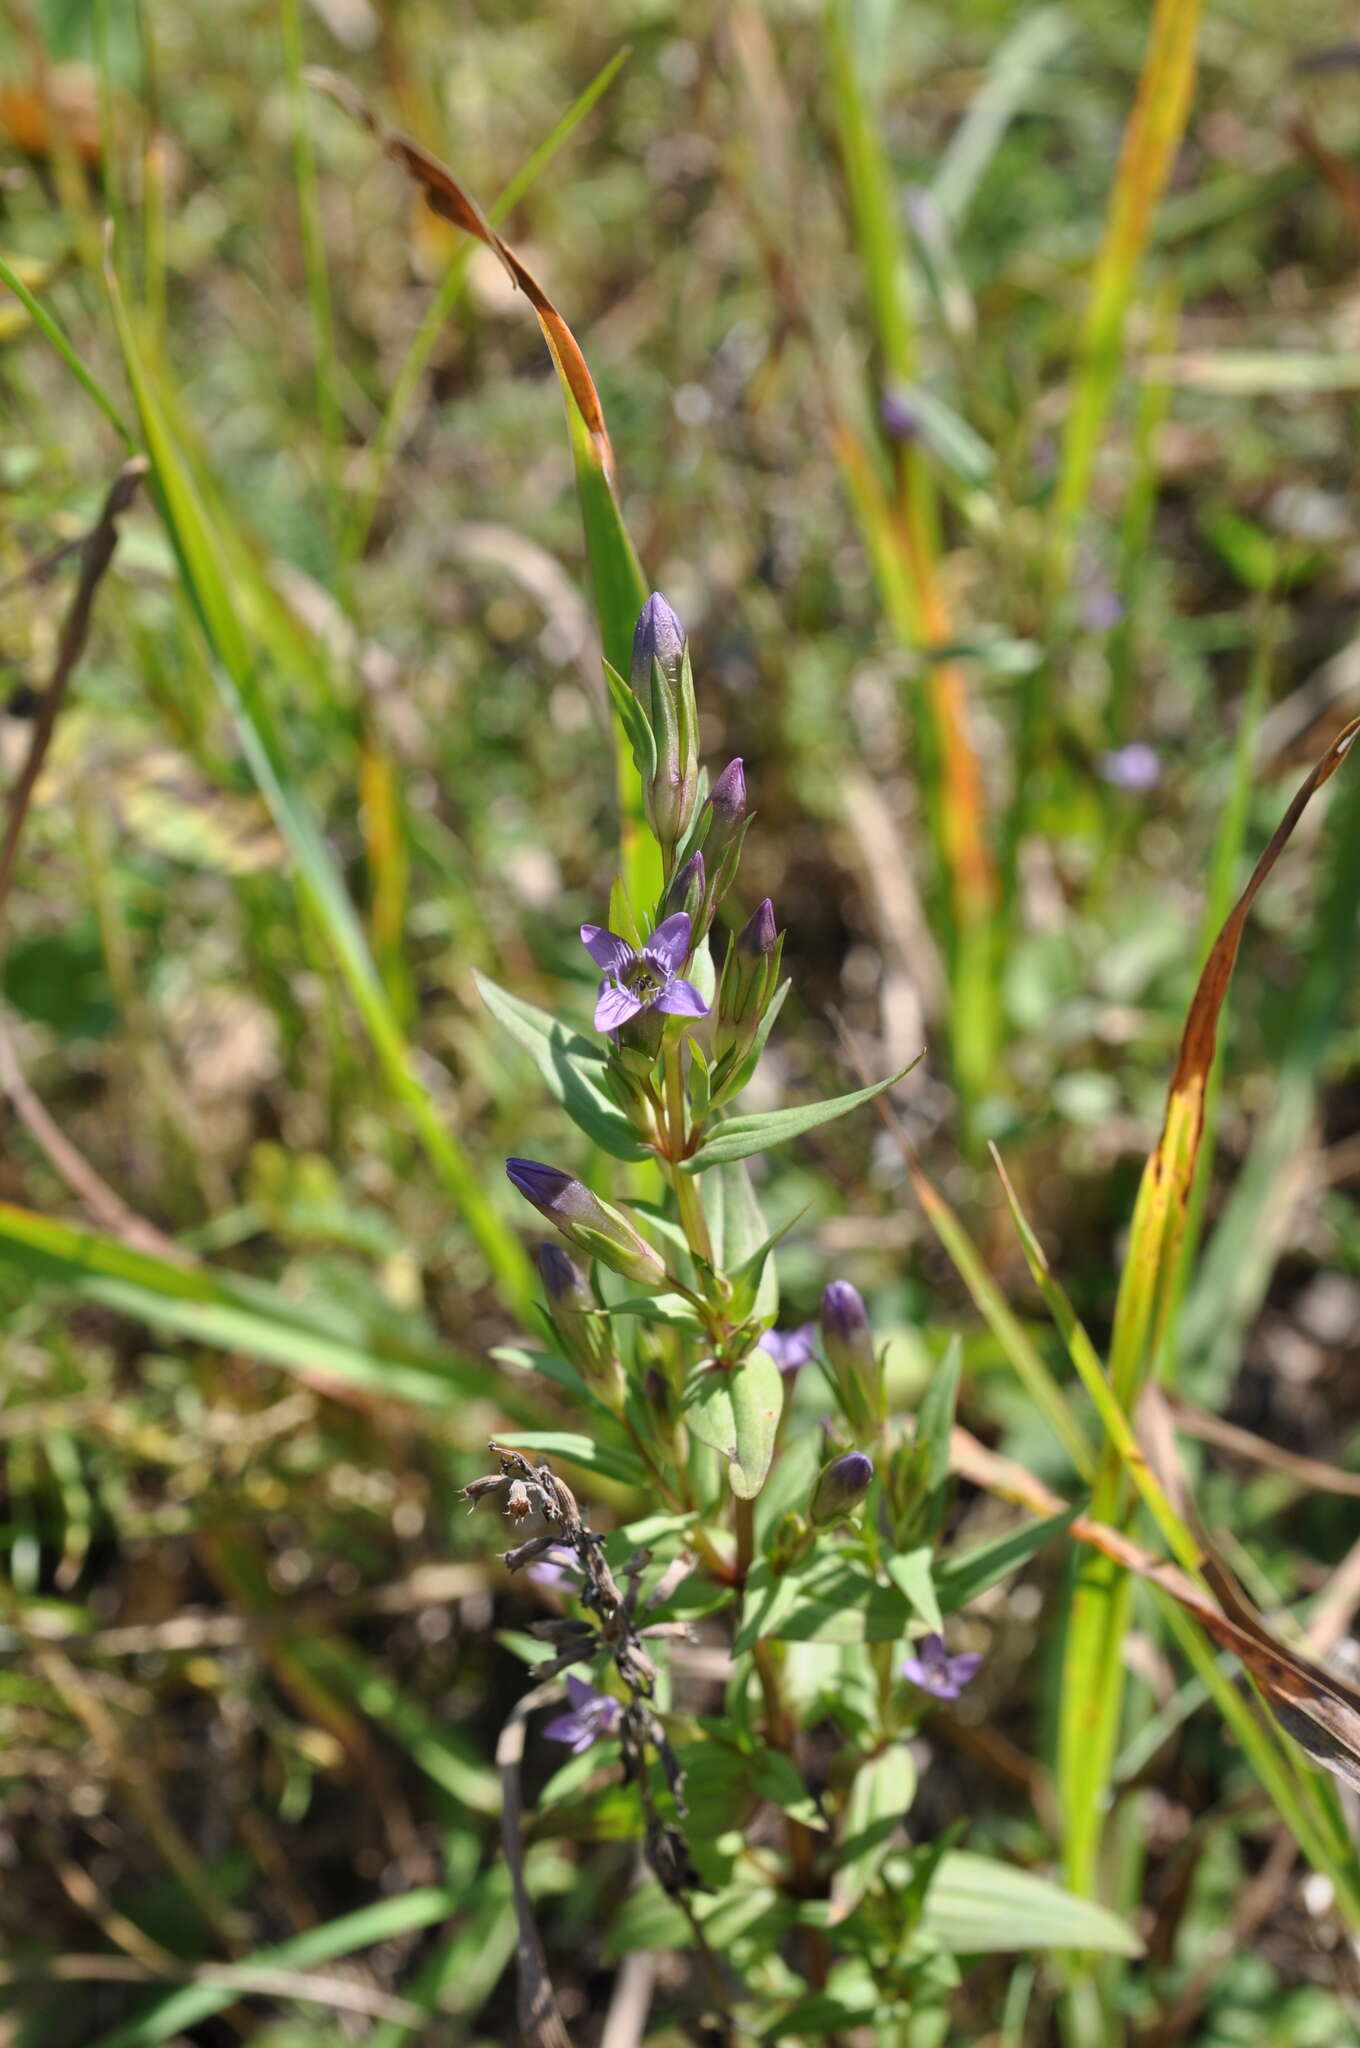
{"x": 728, "y": 818}
{"x": 586, "y": 1222}
{"x": 686, "y": 893}
{"x": 662, "y": 683}
{"x": 581, "y": 1330}
{"x": 749, "y": 978}
{"x": 758, "y": 937}
{"x": 660, "y": 637}
{"x": 841, "y": 1487}
{"x": 728, "y": 797}
{"x": 849, "y": 1345}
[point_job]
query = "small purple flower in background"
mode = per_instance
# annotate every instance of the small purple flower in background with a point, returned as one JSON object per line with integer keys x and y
{"x": 592, "y": 1715}
{"x": 556, "y": 1571}
{"x": 1136, "y": 767}
{"x": 932, "y": 1670}
{"x": 1101, "y": 609}
{"x": 790, "y": 1348}
{"x": 900, "y": 419}
{"x": 649, "y": 980}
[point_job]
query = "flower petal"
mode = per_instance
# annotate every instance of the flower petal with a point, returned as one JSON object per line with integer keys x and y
{"x": 580, "y": 1693}
{"x": 964, "y": 1668}
{"x": 669, "y": 943}
{"x": 566, "y": 1728}
{"x": 681, "y": 999}
{"x": 610, "y": 953}
{"x": 615, "y": 1007}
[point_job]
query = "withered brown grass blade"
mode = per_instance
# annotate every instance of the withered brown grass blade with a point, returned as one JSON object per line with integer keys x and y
{"x": 446, "y": 197}
{"x": 1318, "y": 1710}
{"x": 1146, "y": 1288}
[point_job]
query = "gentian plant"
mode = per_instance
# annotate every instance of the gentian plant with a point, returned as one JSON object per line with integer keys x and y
{"x": 754, "y": 1656}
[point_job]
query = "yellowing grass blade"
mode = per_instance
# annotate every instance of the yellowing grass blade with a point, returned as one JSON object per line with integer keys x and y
{"x": 1093, "y": 1670}
{"x": 1151, "y": 139}
{"x": 1159, "y": 1215}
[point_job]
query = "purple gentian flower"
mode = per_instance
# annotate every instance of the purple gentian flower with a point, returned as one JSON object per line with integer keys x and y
{"x": 649, "y": 980}
{"x": 790, "y": 1348}
{"x": 592, "y": 1715}
{"x": 1136, "y": 767}
{"x": 932, "y": 1670}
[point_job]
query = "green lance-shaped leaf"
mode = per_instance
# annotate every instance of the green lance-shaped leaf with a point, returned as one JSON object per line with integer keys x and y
{"x": 757, "y": 1404}
{"x": 879, "y": 1798}
{"x": 736, "y": 1413}
{"x": 742, "y": 1136}
{"x": 961, "y": 1579}
{"x": 977, "y": 1906}
{"x": 570, "y": 1065}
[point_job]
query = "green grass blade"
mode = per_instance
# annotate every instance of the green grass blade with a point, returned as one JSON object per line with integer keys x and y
{"x": 52, "y": 332}
{"x": 204, "y": 571}
{"x": 190, "y": 2004}
{"x": 1019, "y": 62}
{"x": 326, "y": 368}
{"x": 1151, "y": 139}
{"x": 234, "y": 1313}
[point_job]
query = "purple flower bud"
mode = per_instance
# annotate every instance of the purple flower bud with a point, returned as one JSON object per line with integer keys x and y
{"x": 849, "y": 1345}
{"x": 842, "y": 1486}
{"x": 845, "y": 1322}
{"x": 586, "y": 1222}
{"x": 662, "y": 683}
{"x": 658, "y": 636}
{"x": 759, "y": 935}
{"x": 582, "y": 1331}
{"x": 750, "y": 977}
{"x": 561, "y": 1277}
{"x": 686, "y": 893}
{"x": 728, "y": 796}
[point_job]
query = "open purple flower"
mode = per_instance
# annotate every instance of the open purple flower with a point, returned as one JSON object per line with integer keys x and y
{"x": 790, "y": 1348}
{"x": 934, "y": 1671}
{"x": 649, "y": 980}
{"x": 592, "y": 1715}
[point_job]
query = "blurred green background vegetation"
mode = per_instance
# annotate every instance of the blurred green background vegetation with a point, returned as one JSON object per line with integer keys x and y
{"x": 250, "y": 1668}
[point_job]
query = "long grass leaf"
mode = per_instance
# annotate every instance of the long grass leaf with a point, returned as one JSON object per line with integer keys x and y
{"x": 200, "y": 554}
{"x": 233, "y": 1312}
{"x": 1151, "y": 139}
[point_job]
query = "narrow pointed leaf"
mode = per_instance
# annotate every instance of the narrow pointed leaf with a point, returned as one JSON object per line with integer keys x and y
{"x": 742, "y": 1136}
